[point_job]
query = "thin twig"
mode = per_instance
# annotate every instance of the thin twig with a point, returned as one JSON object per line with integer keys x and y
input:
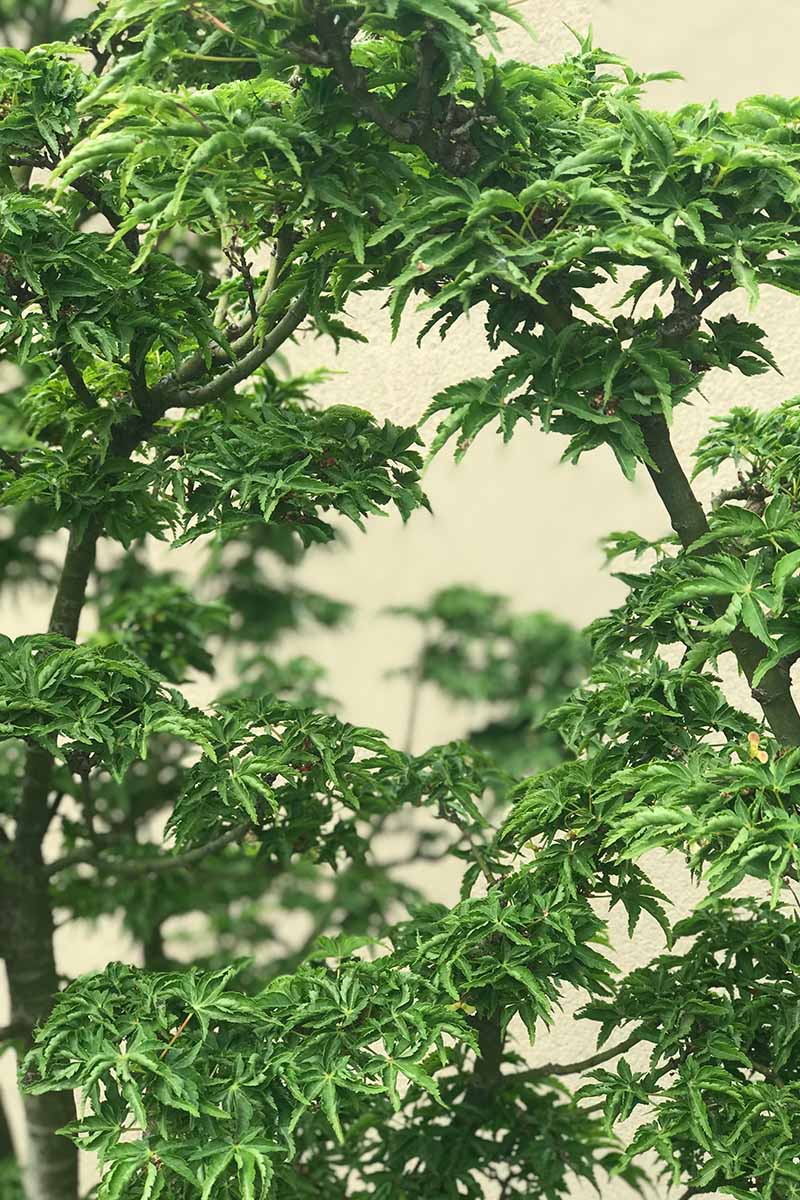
{"x": 238, "y": 260}
{"x": 414, "y": 701}
{"x": 176, "y": 1034}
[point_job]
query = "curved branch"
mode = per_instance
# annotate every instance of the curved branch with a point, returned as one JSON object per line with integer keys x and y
{"x": 152, "y": 866}
{"x": 586, "y": 1064}
{"x": 217, "y": 388}
{"x": 445, "y": 142}
{"x": 193, "y": 368}
{"x": 90, "y": 193}
{"x": 335, "y": 42}
{"x": 689, "y": 521}
{"x": 76, "y": 380}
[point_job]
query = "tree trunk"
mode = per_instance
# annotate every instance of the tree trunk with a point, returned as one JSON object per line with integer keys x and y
{"x": 6, "y": 1141}
{"x": 26, "y": 916}
{"x": 50, "y": 1168}
{"x": 153, "y": 951}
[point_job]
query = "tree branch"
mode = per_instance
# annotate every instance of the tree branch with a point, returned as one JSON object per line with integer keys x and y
{"x": 153, "y": 866}
{"x": 688, "y": 520}
{"x": 576, "y": 1068}
{"x": 445, "y": 142}
{"x": 10, "y": 1033}
{"x": 237, "y": 258}
{"x": 194, "y": 367}
{"x": 335, "y": 43}
{"x": 10, "y": 461}
{"x": 82, "y": 185}
{"x": 710, "y": 295}
{"x": 71, "y": 591}
{"x": 749, "y": 490}
{"x": 488, "y": 1070}
{"x": 216, "y": 388}
{"x": 76, "y": 380}
{"x": 426, "y": 63}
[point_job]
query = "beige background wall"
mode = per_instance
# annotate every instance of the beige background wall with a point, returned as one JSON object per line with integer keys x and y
{"x": 510, "y": 518}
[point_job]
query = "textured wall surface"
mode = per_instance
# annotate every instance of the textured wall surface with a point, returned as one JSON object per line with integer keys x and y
{"x": 511, "y": 518}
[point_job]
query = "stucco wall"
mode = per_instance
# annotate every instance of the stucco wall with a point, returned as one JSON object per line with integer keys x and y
{"x": 510, "y": 518}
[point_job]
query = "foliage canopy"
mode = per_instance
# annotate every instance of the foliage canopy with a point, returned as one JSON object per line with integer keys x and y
{"x": 181, "y": 192}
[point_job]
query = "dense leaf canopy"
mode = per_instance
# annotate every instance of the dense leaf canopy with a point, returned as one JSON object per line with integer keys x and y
{"x": 182, "y": 191}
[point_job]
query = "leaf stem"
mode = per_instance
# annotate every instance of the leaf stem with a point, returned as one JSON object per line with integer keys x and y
{"x": 176, "y": 1034}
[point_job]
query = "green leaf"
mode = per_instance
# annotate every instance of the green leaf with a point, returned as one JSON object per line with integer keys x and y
{"x": 327, "y": 1097}
{"x": 784, "y": 569}
{"x": 213, "y": 1170}
{"x": 413, "y": 1071}
{"x": 754, "y": 620}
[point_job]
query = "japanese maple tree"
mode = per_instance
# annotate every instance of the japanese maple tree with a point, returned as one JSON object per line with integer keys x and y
{"x": 183, "y": 189}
